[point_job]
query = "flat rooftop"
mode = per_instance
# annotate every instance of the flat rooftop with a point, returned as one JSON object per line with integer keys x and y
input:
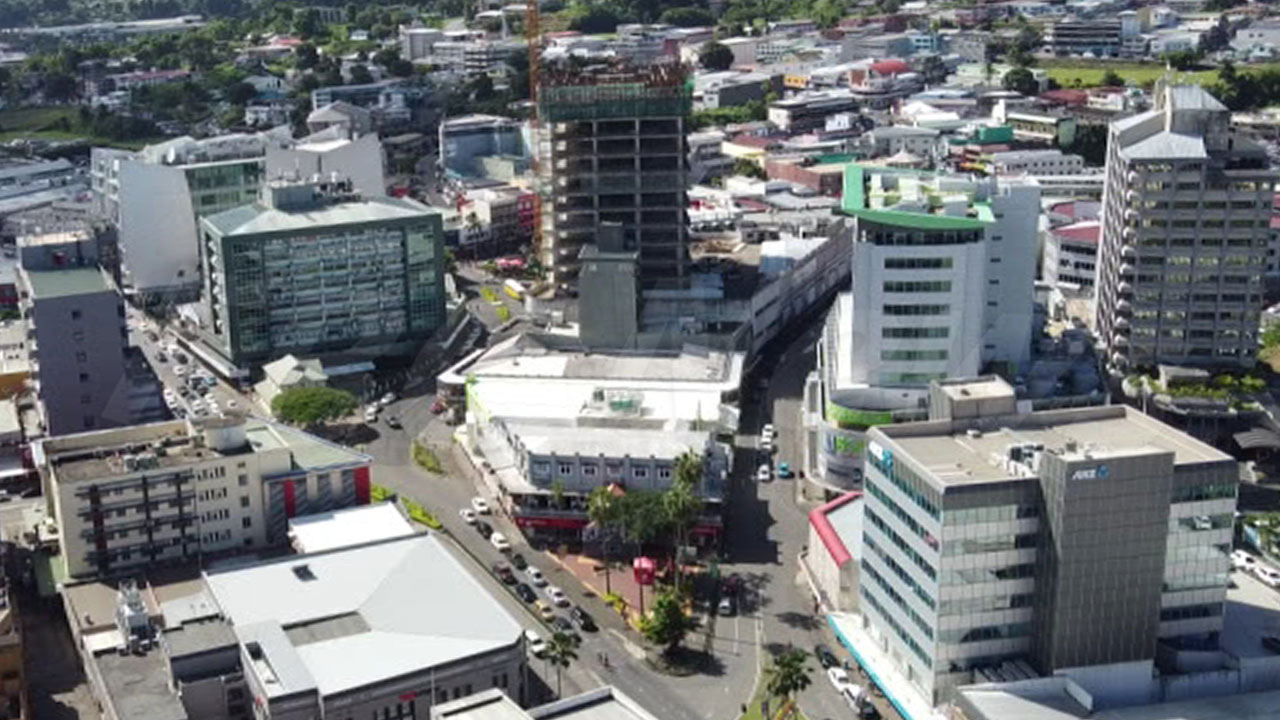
{"x": 1052, "y": 703}
{"x": 138, "y": 685}
{"x": 340, "y": 620}
{"x": 257, "y": 218}
{"x": 347, "y": 527}
{"x": 541, "y": 438}
{"x": 47, "y": 284}
{"x": 953, "y": 457}
{"x": 100, "y": 454}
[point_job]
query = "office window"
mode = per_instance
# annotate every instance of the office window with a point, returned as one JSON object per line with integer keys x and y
{"x": 244, "y": 501}
{"x": 246, "y": 522}
{"x": 244, "y": 480}
{"x": 84, "y": 377}
{"x": 75, "y": 314}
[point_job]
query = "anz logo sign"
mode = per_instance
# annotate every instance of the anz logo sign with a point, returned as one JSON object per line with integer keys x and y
{"x": 1100, "y": 472}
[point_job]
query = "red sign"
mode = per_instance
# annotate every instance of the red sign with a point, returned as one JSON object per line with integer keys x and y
{"x": 406, "y": 697}
{"x": 644, "y": 569}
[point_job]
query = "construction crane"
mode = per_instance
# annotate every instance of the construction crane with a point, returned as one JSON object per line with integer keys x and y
{"x": 533, "y": 38}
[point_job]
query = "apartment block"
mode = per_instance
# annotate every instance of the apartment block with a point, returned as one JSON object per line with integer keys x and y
{"x": 1186, "y": 220}
{"x": 315, "y": 267}
{"x": 1046, "y": 540}
{"x": 614, "y": 150}
{"x": 84, "y": 374}
{"x": 171, "y": 492}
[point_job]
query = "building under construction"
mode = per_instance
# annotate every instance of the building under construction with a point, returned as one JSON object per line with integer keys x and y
{"x": 613, "y": 151}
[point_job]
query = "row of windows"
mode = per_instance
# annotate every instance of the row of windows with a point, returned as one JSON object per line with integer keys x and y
{"x": 899, "y": 571}
{"x": 913, "y": 355}
{"x": 911, "y": 310}
{"x": 898, "y": 540}
{"x": 903, "y": 516}
{"x": 982, "y": 634}
{"x": 992, "y": 513}
{"x": 903, "y": 478}
{"x": 917, "y": 286}
{"x": 974, "y": 576}
{"x": 1190, "y": 612}
{"x": 898, "y": 629}
{"x": 995, "y": 543}
{"x": 943, "y": 263}
{"x": 907, "y": 378}
{"x": 911, "y": 333}
{"x": 887, "y": 589}
{"x": 986, "y": 603}
{"x": 1196, "y": 493}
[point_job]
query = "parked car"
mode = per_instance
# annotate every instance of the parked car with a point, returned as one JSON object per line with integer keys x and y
{"x": 370, "y": 417}
{"x": 583, "y": 619}
{"x": 519, "y": 561}
{"x": 560, "y": 625}
{"x": 545, "y": 611}
{"x": 826, "y": 658}
{"x": 784, "y": 471}
{"x": 499, "y": 541}
{"x": 480, "y": 505}
{"x": 731, "y": 585}
{"x": 763, "y": 473}
{"x": 838, "y": 677}
{"x": 387, "y": 399}
{"x": 393, "y": 422}
{"x": 766, "y": 443}
{"x": 536, "y": 577}
{"x": 484, "y": 528}
{"x": 502, "y": 571}
{"x": 1241, "y": 560}
{"x": 1267, "y": 574}
{"x": 525, "y": 593}
{"x": 557, "y": 596}
{"x": 535, "y": 643}
{"x": 727, "y": 606}
{"x": 768, "y": 431}
{"x": 468, "y": 516}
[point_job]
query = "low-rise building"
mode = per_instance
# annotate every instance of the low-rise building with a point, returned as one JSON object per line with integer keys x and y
{"x": 1071, "y": 253}
{"x": 464, "y": 140}
{"x": 1034, "y": 162}
{"x": 808, "y": 111}
{"x": 167, "y": 493}
{"x": 831, "y": 559}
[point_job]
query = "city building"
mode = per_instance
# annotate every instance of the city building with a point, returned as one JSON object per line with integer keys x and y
{"x": 316, "y": 268}
{"x": 542, "y": 412}
{"x": 808, "y": 111}
{"x": 731, "y": 88}
{"x": 599, "y": 704}
{"x": 169, "y": 493}
{"x": 1071, "y": 254}
{"x": 348, "y": 527}
{"x": 391, "y": 103}
{"x": 84, "y": 375}
{"x": 943, "y": 279}
{"x": 504, "y": 214}
{"x": 616, "y": 154}
{"x": 340, "y": 115}
{"x": 879, "y": 84}
{"x": 1034, "y": 162}
{"x": 465, "y": 140}
{"x": 831, "y": 559}
{"x": 355, "y": 157}
{"x": 1096, "y": 38}
{"x": 156, "y": 197}
{"x": 360, "y": 631}
{"x": 1185, "y": 232}
{"x": 1037, "y": 127}
{"x": 983, "y": 524}
{"x": 416, "y": 42}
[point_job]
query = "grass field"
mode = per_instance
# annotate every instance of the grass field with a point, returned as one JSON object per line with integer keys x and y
{"x": 46, "y": 123}
{"x": 1081, "y": 73}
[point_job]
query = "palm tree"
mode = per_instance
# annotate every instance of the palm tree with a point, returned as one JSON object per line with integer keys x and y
{"x": 603, "y": 510}
{"x": 681, "y": 503}
{"x": 561, "y": 652}
{"x": 788, "y": 675}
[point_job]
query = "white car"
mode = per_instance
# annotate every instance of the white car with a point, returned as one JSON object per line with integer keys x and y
{"x": 763, "y": 473}
{"x": 838, "y": 677}
{"x": 1241, "y": 560}
{"x": 1267, "y": 574}
{"x": 170, "y": 397}
{"x": 480, "y": 505}
{"x": 768, "y": 432}
{"x": 536, "y": 577}
{"x": 231, "y": 404}
{"x": 557, "y": 596}
{"x": 468, "y": 516}
{"x": 179, "y": 370}
{"x": 370, "y": 416}
{"x": 387, "y": 399}
{"x": 500, "y": 542}
{"x": 535, "y": 643}
{"x": 766, "y": 443}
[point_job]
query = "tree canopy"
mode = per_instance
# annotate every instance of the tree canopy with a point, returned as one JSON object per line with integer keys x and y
{"x": 313, "y": 405}
{"x": 715, "y": 56}
{"x": 1020, "y": 80}
{"x": 788, "y": 675}
{"x": 667, "y": 624}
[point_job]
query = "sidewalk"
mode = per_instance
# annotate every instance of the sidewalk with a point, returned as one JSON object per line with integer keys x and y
{"x": 896, "y": 688}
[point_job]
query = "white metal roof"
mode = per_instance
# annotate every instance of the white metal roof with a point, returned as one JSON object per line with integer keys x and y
{"x": 344, "y": 528}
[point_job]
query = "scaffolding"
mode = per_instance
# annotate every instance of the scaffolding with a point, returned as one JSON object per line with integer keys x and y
{"x": 615, "y": 92}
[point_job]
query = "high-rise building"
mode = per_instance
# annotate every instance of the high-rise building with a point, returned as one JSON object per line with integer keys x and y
{"x": 85, "y": 375}
{"x": 1047, "y": 540}
{"x": 1185, "y": 227}
{"x": 942, "y": 286}
{"x": 170, "y": 492}
{"x": 613, "y": 150}
{"x": 314, "y": 267}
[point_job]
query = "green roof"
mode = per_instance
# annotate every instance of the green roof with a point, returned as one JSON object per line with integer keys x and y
{"x": 65, "y": 283}
{"x": 921, "y": 221}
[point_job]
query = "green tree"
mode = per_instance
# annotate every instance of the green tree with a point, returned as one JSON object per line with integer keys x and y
{"x": 360, "y": 75}
{"x": 667, "y": 624}
{"x": 687, "y": 17}
{"x": 1111, "y": 78}
{"x": 1020, "y": 80}
{"x": 788, "y": 675}
{"x": 557, "y": 493}
{"x": 306, "y": 22}
{"x": 681, "y": 502}
{"x": 750, "y": 169}
{"x": 1271, "y": 335}
{"x": 1182, "y": 60}
{"x": 715, "y": 56}
{"x": 560, "y": 652}
{"x": 604, "y": 510}
{"x": 241, "y": 93}
{"x": 311, "y": 406}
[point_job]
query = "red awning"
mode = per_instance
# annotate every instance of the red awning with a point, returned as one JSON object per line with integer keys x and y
{"x": 830, "y": 538}
{"x": 547, "y": 522}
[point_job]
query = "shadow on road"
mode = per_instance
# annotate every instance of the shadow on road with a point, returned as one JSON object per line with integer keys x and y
{"x": 799, "y": 621}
